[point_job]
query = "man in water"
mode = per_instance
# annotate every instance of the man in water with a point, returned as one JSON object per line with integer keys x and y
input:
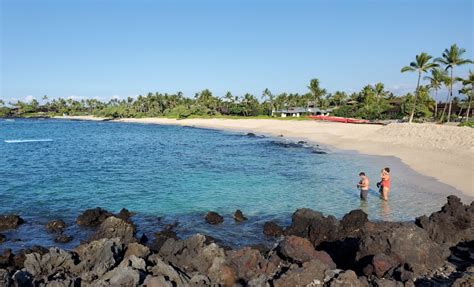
{"x": 384, "y": 184}
{"x": 363, "y": 185}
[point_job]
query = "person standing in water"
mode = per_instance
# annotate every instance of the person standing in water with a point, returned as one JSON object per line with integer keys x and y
{"x": 384, "y": 184}
{"x": 363, "y": 185}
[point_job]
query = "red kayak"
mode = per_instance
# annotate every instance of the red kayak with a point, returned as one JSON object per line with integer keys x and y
{"x": 339, "y": 119}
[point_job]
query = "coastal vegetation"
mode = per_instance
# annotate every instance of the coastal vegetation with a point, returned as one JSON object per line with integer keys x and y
{"x": 373, "y": 102}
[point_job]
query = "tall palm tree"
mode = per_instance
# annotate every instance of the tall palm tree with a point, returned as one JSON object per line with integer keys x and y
{"x": 468, "y": 91}
{"x": 421, "y": 65}
{"x": 436, "y": 81}
{"x": 268, "y": 95}
{"x": 316, "y": 91}
{"x": 452, "y": 57}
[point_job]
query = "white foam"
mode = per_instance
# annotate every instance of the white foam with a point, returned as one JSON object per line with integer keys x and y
{"x": 28, "y": 141}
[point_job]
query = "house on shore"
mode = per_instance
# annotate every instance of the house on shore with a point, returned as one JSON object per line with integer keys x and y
{"x": 299, "y": 111}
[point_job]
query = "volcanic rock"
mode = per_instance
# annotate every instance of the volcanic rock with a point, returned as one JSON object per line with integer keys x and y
{"x": 452, "y": 224}
{"x": 93, "y": 217}
{"x": 63, "y": 238}
{"x": 249, "y": 263}
{"x": 191, "y": 254}
{"x": 56, "y": 225}
{"x": 113, "y": 227}
{"x": 272, "y": 229}
{"x": 98, "y": 257}
{"x": 137, "y": 250}
{"x": 239, "y": 216}
{"x": 10, "y": 221}
{"x": 311, "y": 272}
{"x": 404, "y": 242}
{"x": 213, "y": 218}
{"x": 313, "y": 225}
{"x": 300, "y": 250}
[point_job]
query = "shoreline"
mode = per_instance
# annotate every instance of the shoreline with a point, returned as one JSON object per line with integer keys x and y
{"x": 444, "y": 153}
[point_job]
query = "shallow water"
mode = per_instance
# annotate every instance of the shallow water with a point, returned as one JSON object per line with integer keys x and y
{"x": 57, "y": 169}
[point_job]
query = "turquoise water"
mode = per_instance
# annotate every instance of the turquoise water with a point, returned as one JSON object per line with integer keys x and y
{"x": 56, "y": 169}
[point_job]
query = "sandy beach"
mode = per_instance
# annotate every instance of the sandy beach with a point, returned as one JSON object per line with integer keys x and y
{"x": 439, "y": 151}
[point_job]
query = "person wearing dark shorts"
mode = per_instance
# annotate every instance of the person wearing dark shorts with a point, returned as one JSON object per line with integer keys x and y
{"x": 363, "y": 185}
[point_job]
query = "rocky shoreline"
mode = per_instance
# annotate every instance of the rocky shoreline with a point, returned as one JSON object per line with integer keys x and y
{"x": 314, "y": 250}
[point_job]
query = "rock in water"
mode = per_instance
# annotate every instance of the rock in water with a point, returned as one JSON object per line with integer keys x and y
{"x": 125, "y": 214}
{"x": 271, "y": 228}
{"x": 239, "y": 216}
{"x": 93, "y": 217}
{"x": 452, "y": 224}
{"x": 114, "y": 227}
{"x": 63, "y": 238}
{"x": 3, "y": 238}
{"x": 10, "y": 221}
{"x": 213, "y": 218}
{"x": 56, "y": 225}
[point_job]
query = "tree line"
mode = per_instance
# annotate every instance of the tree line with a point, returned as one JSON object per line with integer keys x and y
{"x": 372, "y": 102}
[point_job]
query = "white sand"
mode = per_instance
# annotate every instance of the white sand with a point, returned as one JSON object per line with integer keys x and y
{"x": 442, "y": 152}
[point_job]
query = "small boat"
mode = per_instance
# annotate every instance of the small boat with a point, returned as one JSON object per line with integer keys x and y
{"x": 339, "y": 119}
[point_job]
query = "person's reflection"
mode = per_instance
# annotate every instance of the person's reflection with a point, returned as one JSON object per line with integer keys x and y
{"x": 385, "y": 210}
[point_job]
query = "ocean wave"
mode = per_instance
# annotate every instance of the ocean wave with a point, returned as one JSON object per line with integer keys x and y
{"x": 28, "y": 141}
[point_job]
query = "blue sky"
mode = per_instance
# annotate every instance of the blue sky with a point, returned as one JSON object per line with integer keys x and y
{"x": 110, "y": 48}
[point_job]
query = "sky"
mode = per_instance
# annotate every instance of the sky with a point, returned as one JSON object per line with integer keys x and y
{"x": 103, "y": 49}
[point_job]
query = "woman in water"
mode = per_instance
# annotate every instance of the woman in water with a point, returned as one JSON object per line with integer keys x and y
{"x": 384, "y": 184}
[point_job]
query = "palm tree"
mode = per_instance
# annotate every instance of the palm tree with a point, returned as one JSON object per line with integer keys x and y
{"x": 468, "y": 91}
{"x": 268, "y": 95}
{"x": 452, "y": 57}
{"x": 316, "y": 91}
{"x": 421, "y": 65}
{"x": 436, "y": 81}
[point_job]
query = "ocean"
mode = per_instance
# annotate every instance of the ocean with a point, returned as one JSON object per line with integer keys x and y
{"x": 55, "y": 169}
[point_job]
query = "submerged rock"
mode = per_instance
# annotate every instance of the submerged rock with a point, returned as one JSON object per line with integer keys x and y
{"x": 56, "y": 225}
{"x": 251, "y": 134}
{"x": 239, "y": 216}
{"x": 10, "y": 221}
{"x": 93, "y": 217}
{"x": 213, "y": 218}
{"x": 452, "y": 224}
{"x": 63, "y": 238}
{"x": 3, "y": 238}
{"x": 271, "y": 228}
